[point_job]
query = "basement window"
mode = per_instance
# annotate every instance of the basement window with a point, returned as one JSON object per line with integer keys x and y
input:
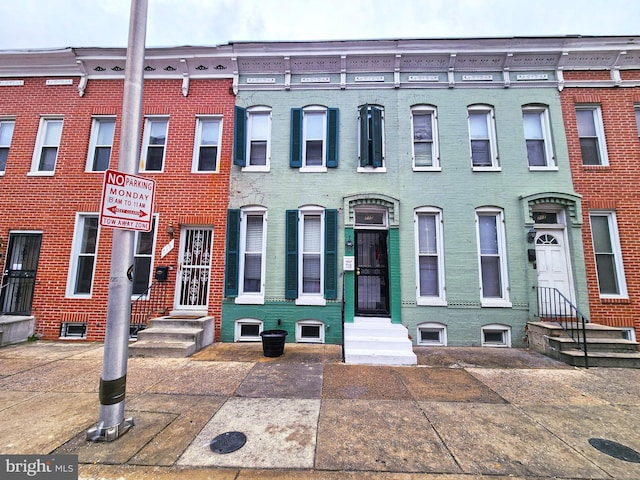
{"x": 496, "y": 335}
{"x": 248, "y": 330}
{"x": 310, "y": 331}
{"x": 629, "y": 333}
{"x": 73, "y": 330}
{"x": 432, "y": 334}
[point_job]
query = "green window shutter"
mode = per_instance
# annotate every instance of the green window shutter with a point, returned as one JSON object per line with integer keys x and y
{"x": 376, "y": 136}
{"x": 364, "y": 135}
{"x": 291, "y": 256}
{"x": 240, "y": 136}
{"x": 233, "y": 254}
{"x": 331, "y": 254}
{"x": 332, "y": 137}
{"x": 296, "y": 138}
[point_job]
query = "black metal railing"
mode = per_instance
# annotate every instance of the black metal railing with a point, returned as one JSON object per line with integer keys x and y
{"x": 553, "y": 306}
{"x": 150, "y": 303}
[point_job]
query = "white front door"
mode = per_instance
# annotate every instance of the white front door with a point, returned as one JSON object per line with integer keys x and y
{"x": 554, "y": 270}
{"x": 194, "y": 270}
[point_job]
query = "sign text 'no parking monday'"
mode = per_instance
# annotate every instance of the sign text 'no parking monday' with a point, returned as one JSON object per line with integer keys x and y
{"x": 127, "y": 201}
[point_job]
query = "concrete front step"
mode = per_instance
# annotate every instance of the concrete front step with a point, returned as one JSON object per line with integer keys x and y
{"x": 366, "y": 357}
{"x": 174, "y": 336}
{"x": 163, "y": 333}
{"x": 376, "y": 341}
{"x": 601, "y": 359}
{"x": 597, "y": 344}
{"x": 148, "y": 348}
{"x": 591, "y": 329}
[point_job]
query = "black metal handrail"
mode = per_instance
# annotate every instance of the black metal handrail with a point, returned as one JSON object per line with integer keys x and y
{"x": 553, "y": 306}
{"x": 150, "y": 303}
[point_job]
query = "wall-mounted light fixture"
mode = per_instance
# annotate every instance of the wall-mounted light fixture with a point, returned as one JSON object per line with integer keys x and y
{"x": 531, "y": 235}
{"x": 170, "y": 230}
{"x": 349, "y": 243}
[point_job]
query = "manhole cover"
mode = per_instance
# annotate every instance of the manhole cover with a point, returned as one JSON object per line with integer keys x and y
{"x": 228, "y": 442}
{"x": 615, "y": 449}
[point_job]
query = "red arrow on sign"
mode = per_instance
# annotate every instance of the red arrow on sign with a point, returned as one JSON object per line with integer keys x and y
{"x": 115, "y": 210}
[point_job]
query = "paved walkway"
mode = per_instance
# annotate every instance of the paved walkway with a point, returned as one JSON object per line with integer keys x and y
{"x": 462, "y": 413}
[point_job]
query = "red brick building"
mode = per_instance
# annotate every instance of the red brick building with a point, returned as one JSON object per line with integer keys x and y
{"x": 60, "y": 118}
{"x": 601, "y": 110}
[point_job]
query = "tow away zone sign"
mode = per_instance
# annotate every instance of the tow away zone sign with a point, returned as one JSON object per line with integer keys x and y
{"x": 127, "y": 201}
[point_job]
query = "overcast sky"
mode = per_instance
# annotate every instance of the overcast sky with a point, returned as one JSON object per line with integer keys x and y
{"x": 105, "y": 23}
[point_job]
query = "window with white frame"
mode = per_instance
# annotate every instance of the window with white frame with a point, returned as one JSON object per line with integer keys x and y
{"x": 314, "y": 138}
{"x": 492, "y": 257}
{"x": 83, "y": 255}
{"x": 252, "y": 134}
{"x": 6, "y": 133}
{"x": 100, "y": 144}
{"x": 73, "y": 330}
{"x": 638, "y": 120}
{"x": 311, "y": 236}
{"x": 47, "y": 146}
{"x": 591, "y": 134}
{"x": 537, "y": 134}
{"x": 314, "y": 122}
{"x": 432, "y": 333}
{"x": 206, "y": 153}
{"x": 496, "y": 335}
{"x": 430, "y": 258}
{"x": 310, "y": 331}
{"x": 153, "y": 144}
{"x": 482, "y": 137}
{"x": 253, "y": 234}
{"x": 425, "y": 138}
{"x": 371, "y": 138}
{"x": 247, "y": 330}
{"x": 608, "y": 254}
{"x": 143, "y": 259}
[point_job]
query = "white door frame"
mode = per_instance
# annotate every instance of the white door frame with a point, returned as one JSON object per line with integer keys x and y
{"x": 197, "y": 262}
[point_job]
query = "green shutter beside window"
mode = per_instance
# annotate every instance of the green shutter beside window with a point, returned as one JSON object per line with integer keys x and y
{"x": 291, "y": 256}
{"x": 296, "y": 138}
{"x": 376, "y": 137}
{"x": 364, "y": 135}
{"x": 331, "y": 254}
{"x": 332, "y": 137}
{"x": 233, "y": 254}
{"x": 240, "y": 137}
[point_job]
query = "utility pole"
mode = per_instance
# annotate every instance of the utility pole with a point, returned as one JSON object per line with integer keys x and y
{"x": 112, "y": 423}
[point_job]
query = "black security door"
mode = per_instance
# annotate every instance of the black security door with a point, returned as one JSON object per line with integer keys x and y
{"x": 372, "y": 273}
{"x": 19, "y": 275}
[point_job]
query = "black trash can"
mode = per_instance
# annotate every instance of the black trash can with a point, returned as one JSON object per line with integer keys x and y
{"x": 273, "y": 342}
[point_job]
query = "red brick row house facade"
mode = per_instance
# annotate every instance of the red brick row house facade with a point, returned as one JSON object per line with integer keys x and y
{"x": 60, "y": 118}
{"x": 601, "y": 111}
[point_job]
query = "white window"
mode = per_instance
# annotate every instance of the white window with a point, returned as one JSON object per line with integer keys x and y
{"x": 153, "y": 144}
{"x": 638, "y": 120}
{"x": 424, "y": 126}
{"x": 311, "y": 258}
{"x": 371, "y": 148}
{"x": 73, "y": 330}
{"x": 496, "y": 335}
{"x": 482, "y": 138}
{"x": 608, "y": 255}
{"x": 591, "y": 133}
{"x": 537, "y": 136}
{"x": 310, "y": 331}
{"x": 206, "y": 154}
{"x": 629, "y": 333}
{"x": 432, "y": 333}
{"x": 247, "y": 330}
{"x": 492, "y": 258}
{"x": 143, "y": 260}
{"x": 253, "y": 235}
{"x": 258, "y": 135}
{"x": 47, "y": 145}
{"x": 430, "y": 259}
{"x": 100, "y": 144}
{"x": 6, "y": 133}
{"x": 83, "y": 256}
{"x": 314, "y": 123}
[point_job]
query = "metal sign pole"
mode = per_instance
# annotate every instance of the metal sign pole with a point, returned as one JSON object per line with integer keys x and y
{"x": 112, "y": 423}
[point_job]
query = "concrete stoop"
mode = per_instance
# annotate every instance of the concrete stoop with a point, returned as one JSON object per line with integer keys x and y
{"x": 16, "y": 328}
{"x": 377, "y": 341}
{"x": 176, "y": 335}
{"x": 606, "y": 346}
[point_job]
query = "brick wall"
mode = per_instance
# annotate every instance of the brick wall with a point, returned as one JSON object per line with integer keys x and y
{"x": 49, "y": 204}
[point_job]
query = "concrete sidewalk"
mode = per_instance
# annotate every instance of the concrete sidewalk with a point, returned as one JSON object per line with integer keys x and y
{"x": 462, "y": 413}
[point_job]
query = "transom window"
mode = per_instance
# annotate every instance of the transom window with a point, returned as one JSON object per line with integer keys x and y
{"x": 482, "y": 137}
{"x": 47, "y": 145}
{"x": 100, "y": 144}
{"x": 154, "y": 143}
{"x": 608, "y": 254}
{"x": 425, "y": 138}
{"x": 206, "y": 153}
{"x": 6, "y": 133}
{"x": 591, "y": 135}
{"x": 538, "y": 137}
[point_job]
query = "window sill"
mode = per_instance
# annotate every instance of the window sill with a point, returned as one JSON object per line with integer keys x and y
{"x": 200, "y": 172}
{"x": 486, "y": 169}
{"x": 40, "y": 174}
{"x": 372, "y": 170}
{"x": 434, "y": 302}
{"x": 318, "y": 169}
{"x": 427, "y": 169}
{"x": 311, "y": 300}
{"x": 543, "y": 169}
{"x": 261, "y": 168}
{"x": 618, "y": 300}
{"x": 498, "y": 303}
{"x": 595, "y": 167}
{"x": 249, "y": 300}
